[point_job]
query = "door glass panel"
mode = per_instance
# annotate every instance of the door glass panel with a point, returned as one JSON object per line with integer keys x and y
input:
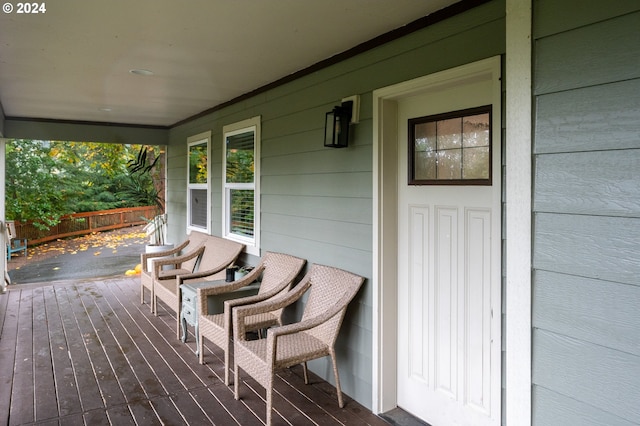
{"x": 451, "y": 148}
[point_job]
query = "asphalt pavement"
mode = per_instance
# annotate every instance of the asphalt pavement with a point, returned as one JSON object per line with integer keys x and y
{"x": 108, "y": 254}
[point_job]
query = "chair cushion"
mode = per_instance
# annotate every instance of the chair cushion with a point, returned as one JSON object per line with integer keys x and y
{"x": 292, "y": 349}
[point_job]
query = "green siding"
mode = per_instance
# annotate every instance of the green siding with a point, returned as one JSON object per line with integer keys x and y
{"x": 595, "y": 375}
{"x": 593, "y": 183}
{"x": 601, "y": 53}
{"x": 586, "y": 349}
{"x": 317, "y": 202}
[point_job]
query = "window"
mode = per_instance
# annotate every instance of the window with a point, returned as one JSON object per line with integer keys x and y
{"x": 451, "y": 149}
{"x": 241, "y": 177}
{"x": 198, "y": 205}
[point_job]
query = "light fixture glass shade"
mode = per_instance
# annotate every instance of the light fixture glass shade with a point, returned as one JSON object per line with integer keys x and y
{"x": 336, "y": 127}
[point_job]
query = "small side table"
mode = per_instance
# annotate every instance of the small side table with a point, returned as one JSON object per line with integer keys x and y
{"x": 189, "y": 312}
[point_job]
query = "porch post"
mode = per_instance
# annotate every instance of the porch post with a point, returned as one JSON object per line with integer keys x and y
{"x": 3, "y": 243}
{"x": 518, "y": 211}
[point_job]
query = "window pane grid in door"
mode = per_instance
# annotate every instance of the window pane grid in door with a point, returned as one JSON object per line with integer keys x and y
{"x": 451, "y": 148}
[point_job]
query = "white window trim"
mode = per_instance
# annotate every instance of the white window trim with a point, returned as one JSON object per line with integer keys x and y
{"x": 252, "y": 244}
{"x": 198, "y": 139}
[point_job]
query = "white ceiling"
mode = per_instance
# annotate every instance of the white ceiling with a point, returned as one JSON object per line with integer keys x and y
{"x": 73, "y": 61}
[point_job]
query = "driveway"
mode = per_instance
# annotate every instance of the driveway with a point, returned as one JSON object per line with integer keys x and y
{"x": 102, "y": 254}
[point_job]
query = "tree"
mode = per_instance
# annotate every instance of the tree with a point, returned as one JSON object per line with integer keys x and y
{"x": 48, "y": 179}
{"x": 32, "y": 184}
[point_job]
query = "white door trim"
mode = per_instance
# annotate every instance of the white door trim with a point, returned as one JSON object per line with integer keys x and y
{"x": 385, "y": 225}
{"x": 518, "y": 213}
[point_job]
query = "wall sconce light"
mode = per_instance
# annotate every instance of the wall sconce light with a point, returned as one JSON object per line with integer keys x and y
{"x": 336, "y": 126}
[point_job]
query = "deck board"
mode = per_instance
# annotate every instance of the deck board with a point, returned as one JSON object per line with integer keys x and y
{"x": 68, "y": 400}
{"x": 22, "y": 406}
{"x": 88, "y": 353}
{"x": 44, "y": 383}
{"x": 85, "y": 380}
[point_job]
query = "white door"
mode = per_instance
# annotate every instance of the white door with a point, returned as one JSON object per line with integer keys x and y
{"x": 449, "y": 279}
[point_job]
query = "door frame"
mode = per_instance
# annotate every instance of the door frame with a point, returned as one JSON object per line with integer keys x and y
{"x": 385, "y": 220}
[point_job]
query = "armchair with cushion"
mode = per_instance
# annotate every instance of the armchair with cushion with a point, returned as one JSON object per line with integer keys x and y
{"x": 278, "y": 273}
{"x": 217, "y": 254}
{"x": 330, "y": 291}
{"x": 190, "y": 249}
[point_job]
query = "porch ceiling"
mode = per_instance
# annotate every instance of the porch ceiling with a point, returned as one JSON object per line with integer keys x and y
{"x": 73, "y": 61}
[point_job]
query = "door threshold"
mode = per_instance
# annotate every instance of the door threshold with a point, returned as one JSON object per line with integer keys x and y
{"x": 399, "y": 417}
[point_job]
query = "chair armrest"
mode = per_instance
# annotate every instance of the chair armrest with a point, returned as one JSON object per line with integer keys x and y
{"x": 275, "y": 303}
{"x": 177, "y": 260}
{"x": 251, "y": 300}
{"x": 230, "y": 304}
{"x": 307, "y": 324}
{"x": 199, "y": 274}
{"x": 274, "y": 333}
{"x": 225, "y": 287}
{"x": 145, "y": 256}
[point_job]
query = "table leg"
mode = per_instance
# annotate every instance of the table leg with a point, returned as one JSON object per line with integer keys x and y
{"x": 183, "y": 324}
{"x": 197, "y": 339}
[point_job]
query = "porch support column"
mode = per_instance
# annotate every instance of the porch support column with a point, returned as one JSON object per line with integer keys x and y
{"x": 3, "y": 243}
{"x": 518, "y": 212}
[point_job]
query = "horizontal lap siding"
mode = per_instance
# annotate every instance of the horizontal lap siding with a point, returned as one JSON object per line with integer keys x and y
{"x": 586, "y": 258}
{"x": 317, "y": 202}
{"x": 593, "y": 183}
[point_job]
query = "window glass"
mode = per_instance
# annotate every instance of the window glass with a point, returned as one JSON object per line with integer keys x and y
{"x": 198, "y": 187}
{"x": 241, "y": 192}
{"x": 198, "y": 163}
{"x": 240, "y": 153}
{"x": 451, "y": 148}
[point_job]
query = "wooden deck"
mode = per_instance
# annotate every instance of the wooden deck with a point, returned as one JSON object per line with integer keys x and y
{"x": 90, "y": 353}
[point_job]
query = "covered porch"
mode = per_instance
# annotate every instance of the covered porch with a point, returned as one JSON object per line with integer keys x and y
{"x": 87, "y": 352}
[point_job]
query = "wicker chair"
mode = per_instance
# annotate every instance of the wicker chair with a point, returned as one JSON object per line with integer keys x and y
{"x": 331, "y": 290}
{"x": 278, "y": 273}
{"x": 191, "y": 247}
{"x": 217, "y": 254}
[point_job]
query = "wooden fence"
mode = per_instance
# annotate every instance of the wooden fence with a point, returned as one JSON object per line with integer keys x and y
{"x": 86, "y": 223}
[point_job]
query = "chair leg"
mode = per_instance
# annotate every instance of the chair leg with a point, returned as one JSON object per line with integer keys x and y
{"x": 337, "y": 376}
{"x": 269, "y": 389}
{"x": 227, "y": 356}
{"x": 304, "y": 372}
{"x": 236, "y": 395}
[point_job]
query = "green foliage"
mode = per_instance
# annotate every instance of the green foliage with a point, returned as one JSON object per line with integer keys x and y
{"x": 198, "y": 163}
{"x": 145, "y": 185}
{"x": 48, "y": 179}
{"x": 32, "y": 184}
{"x": 240, "y": 165}
{"x": 139, "y": 190}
